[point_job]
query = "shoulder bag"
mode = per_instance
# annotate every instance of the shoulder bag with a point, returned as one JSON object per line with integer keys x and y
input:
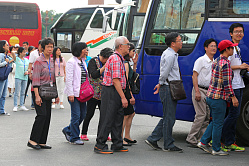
{"x": 86, "y": 90}
{"x": 48, "y": 91}
{"x": 4, "y": 72}
{"x": 176, "y": 89}
{"x": 135, "y": 83}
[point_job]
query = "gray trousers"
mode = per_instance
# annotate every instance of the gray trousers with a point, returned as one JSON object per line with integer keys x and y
{"x": 202, "y": 116}
{"x": 111, "y": 118}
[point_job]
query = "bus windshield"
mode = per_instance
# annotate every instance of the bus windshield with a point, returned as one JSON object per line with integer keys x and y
{"x": 18, "y": 16}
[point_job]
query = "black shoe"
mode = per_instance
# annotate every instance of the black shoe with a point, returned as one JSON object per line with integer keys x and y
{"x": 127, "y": 144}
{"x": 121, "y": 149}
{"x": 102, "y": 151}
{"x": 45, "y": 147}
{"x": 130, "y": 141}
{"x": 37, "y": 147}
{"x": 192, "y": 145}
{"x": 174, "y": 149}
{"x": 153, "y": 145}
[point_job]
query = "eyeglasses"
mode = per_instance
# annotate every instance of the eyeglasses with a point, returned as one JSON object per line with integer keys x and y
{"x": 238, "y": 32}
{"x": 134, "y": 50}
{"x": 179, "y": 41}
{"x": 128, "y": 44}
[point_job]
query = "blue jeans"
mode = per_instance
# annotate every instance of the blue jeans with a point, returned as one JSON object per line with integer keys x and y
{"x": 3, "y": 94}
{"x": 214, "y": 129}
{"x": 229, "y": 128}
{"x": 20, "y": 85}
{"x": 165, "y": 125}
{"x": 78, "y": 113}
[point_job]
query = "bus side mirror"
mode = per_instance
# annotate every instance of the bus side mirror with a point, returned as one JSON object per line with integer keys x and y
{"x": 114, "y": 17}
{"x": 105, "y": 22}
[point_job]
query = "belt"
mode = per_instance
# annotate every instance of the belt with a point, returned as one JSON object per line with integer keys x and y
{"x": 203, "y": 87}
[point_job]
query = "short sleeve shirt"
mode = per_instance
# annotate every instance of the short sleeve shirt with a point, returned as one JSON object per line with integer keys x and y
{"x": 203, "y": 66}
{"x": 33, "y": 56}
{"x": 114, "y": 68}
{"x": 235, "y": 60}
{"x": 21, "y": 68}
{"x": 59, "y": 67}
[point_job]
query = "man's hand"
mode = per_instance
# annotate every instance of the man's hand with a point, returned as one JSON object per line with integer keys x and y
{"x": 124, "y": 103}
{"x": 157, "y": 87}
{"x": 235, "y": 101}
{"x": 197, "y": 96}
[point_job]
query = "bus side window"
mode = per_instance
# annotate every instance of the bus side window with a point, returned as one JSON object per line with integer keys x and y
{"x": 97, "y": 20}
{"x": 172, "y": 17}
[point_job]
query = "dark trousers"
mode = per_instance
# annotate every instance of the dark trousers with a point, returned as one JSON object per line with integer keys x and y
{"x": 91, "y": 106}
{"x": 40, "y": 128}
{"x": 111, "y": 118}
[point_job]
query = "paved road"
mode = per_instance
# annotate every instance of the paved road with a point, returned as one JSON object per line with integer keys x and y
{"x": 15, "y": 131}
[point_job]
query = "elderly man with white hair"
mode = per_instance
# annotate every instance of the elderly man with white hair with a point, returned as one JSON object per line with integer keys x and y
{"x": 113, "y": 100}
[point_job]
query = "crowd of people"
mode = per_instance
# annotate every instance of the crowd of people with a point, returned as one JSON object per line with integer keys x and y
{"x": 216, "y": 82}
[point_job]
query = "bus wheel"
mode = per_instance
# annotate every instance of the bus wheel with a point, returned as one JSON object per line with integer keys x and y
{"x": 242, "y": 129}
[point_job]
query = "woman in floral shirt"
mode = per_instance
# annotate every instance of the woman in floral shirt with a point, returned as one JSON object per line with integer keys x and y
{"x": 96, "y": 67}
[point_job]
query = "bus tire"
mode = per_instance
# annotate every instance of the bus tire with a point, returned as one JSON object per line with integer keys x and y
{"x": 242, "y": 129}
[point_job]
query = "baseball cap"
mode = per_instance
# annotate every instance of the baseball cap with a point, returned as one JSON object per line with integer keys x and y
{"x": 17, "y": 45}
{"x": 225, "y": 44}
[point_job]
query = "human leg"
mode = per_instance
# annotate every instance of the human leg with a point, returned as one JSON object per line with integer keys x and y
{"x": 75, "y": 119}
{"x": 91, "y": 106}
{"x": 229, "y": 127}
{"x": 40, "y": 121}
{"x": 169, "y": 110}
{"x": 22, "y": 93}
{"x": 18, "y": 83}
{"x": 201, "y": 118}
{"x": 128, "y": 126}
{"x": 3, "y": 94}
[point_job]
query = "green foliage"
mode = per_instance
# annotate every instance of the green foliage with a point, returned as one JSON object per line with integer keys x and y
{"x": 51, "y": 14}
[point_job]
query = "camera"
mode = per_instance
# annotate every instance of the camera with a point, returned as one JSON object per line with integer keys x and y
{"x": 244, "y": 73}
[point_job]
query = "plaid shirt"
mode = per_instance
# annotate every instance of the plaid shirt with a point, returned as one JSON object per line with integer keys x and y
{"x": 221, "y": 80}
{"x": 114, "y": 68}
{"x": 41, "y": 72}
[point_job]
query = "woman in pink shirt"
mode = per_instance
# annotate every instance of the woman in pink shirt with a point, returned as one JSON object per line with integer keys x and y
{"x": 60, "y": 74}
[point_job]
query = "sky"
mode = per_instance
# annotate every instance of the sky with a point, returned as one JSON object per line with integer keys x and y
{"x": 60, "y": 6}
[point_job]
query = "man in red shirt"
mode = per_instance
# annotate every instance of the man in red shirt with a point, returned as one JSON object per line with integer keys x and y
{"x": 113, "y": 100}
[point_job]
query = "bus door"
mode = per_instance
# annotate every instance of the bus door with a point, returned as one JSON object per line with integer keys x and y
{"x": 93, "y": 35}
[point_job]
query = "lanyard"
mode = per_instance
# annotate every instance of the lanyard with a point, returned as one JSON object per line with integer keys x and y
{"x": 48, "y": 65}
{"x": 58, "y": 65}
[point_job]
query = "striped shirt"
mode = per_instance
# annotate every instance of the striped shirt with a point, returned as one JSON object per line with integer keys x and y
{"x": 221, "y": 80}
{"x": 41, "y": 74}
{"x": 83, "y": 72}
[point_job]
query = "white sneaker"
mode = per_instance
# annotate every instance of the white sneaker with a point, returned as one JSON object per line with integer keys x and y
{"x": 53, "y": 106}
{"x": 23, "y": 108}
{"x": 62, "y": 107}
{"x": 15, "y": 109}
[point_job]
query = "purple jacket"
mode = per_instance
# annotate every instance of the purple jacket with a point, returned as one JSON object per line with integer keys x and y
{"x": 73, "y": 76}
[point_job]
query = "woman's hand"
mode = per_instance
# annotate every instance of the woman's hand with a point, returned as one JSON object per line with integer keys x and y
{"x": 135, "y": 59}
{"x": 57, "y": 100}
{"x": 38, "y": 100}
{"x": 132, "y": 100}
{"x": 71, "y": 99}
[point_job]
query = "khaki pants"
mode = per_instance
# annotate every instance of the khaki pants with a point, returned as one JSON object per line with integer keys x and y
{"x": 202, "y": 116}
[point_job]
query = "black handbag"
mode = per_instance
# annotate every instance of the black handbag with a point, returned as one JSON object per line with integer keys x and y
{"x": 243, "y": 72}
{"x": 135, "y": 83}
{"x": 48, "y": 92}
{"x": 4, "y": 72}
{"x": 177, "y": 90}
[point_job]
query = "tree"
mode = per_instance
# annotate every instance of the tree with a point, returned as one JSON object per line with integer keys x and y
{"x": 52, "y": 18}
